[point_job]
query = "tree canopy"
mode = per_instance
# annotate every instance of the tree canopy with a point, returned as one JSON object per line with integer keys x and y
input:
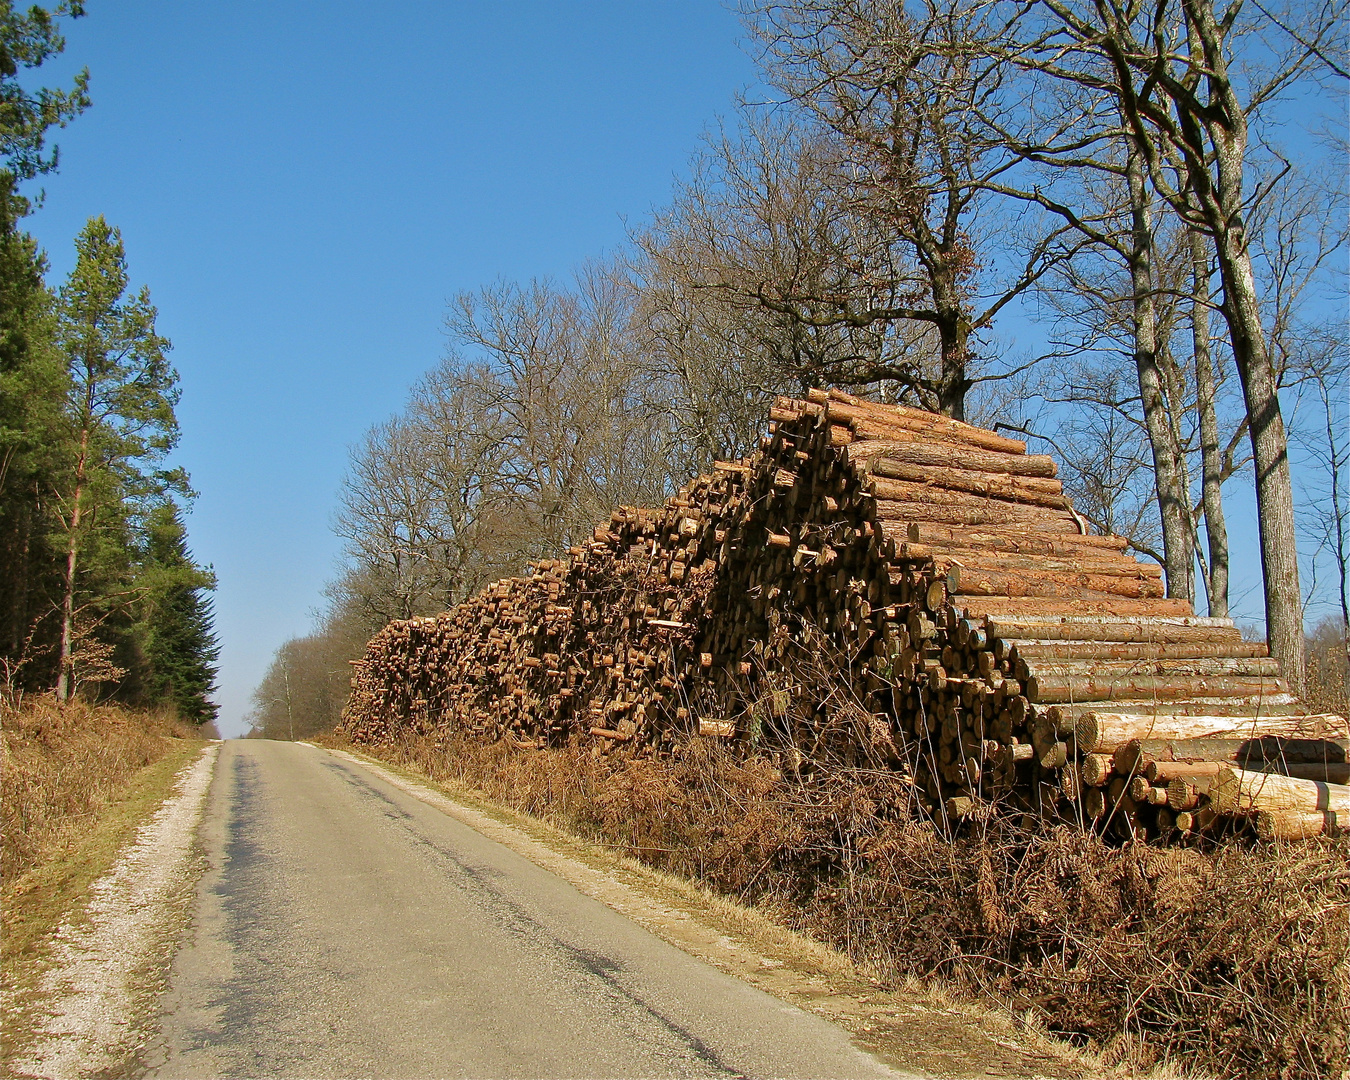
{"x": 98, "y": 592}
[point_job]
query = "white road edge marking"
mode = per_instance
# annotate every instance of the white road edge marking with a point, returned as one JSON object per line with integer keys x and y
{"x": 99, "y": 963}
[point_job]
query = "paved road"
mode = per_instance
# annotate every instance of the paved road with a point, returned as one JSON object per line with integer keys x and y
{"x": 345, "y": 928}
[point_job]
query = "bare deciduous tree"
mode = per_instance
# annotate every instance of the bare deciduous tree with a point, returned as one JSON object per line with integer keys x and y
{"x": 892, "y": 94}
{"x": 540, "y": 420}
{"x": 755, "y": 258}
{"x": 1186, "y": 102}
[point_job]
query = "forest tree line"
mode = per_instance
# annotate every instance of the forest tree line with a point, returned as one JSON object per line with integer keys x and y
{"x": 99, "y": 594}
{"x": 1115, "y": 229}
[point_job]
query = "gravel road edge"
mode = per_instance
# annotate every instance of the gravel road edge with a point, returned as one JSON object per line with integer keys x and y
{"x": 108, "y": 965}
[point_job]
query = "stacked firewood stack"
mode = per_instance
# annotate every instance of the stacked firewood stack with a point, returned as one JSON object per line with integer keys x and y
{"x": 594, "y": 643}
{"x": 1010, "y": 660}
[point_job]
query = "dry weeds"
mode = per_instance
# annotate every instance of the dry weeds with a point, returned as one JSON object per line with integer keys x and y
{"x": 75, "y": 785}
{"x": 61, "y": 765}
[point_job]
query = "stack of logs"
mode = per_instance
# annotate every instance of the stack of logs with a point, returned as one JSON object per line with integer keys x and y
{"x": 1016, "y": 663}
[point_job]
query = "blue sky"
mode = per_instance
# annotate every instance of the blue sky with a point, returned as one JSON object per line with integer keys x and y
{"x": 302, "y": 186}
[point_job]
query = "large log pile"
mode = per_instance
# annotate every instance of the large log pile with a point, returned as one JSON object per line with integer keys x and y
{"x": 1007, "y": 659}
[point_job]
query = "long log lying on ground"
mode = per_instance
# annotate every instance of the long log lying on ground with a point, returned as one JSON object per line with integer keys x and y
{"x": 1299, "y": 824}
{"x": 1241, "y": 791}
{"x": 1254, "y": 752}
{"x": 1101, "y": 731}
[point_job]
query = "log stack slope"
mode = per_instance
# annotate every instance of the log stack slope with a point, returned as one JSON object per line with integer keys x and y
{"x": 1009, "y": 660}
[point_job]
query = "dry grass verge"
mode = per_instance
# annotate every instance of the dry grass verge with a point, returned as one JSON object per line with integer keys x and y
{"x": 75, "y": 783}
{"x": 1230, "y": 961}
{"x": 61, "y": 765}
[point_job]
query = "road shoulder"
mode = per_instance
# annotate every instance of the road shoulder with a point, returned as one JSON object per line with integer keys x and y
{"x": 80, "y": 1000}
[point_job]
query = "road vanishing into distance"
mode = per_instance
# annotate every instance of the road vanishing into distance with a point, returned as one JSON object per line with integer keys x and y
{"x": 347, "y": 928}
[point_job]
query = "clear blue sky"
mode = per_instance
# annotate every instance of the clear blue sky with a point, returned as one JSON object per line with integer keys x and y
{"x": 302, "y": 186}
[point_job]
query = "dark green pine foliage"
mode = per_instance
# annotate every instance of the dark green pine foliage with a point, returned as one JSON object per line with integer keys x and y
{"x": 32, "y": 391}
{"x": 28, "y": 38}
{"x": 118, "y": 427}
{"x": 32, "y": 375}
{"x": 178, "y": 641}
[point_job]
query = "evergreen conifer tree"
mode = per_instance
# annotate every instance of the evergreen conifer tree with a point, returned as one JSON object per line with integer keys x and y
{"x": 32, "y": 390}
{"x": 119, "y": 419}
{"x": 32, "y": 376}
{"x": 178, "y": 641}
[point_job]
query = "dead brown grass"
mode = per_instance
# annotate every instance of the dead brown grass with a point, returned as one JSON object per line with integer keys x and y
{"x": 61, "y": 765}
{"x": 75, "y": 784}
{"x": 1233, "y": 961}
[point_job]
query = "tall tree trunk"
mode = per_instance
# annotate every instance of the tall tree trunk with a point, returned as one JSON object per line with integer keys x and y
{"x": 1219, "y": 197}
{"x": 64, "y": 681}
{"x": 1336, "y": 459}
{"x": 1270, "y": 456}
{"x": 1211, "y": 456}
{"x": 1178, "y": 554}
{"x": 952, "y": 323}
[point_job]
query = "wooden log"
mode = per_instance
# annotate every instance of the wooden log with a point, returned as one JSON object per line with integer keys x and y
{"x": 960, "y": 806}
{"x": 1186, "y": 792}
{"x": 1094, "y": 803}
{"x": 1257, "y": 750}
{"x": 1096, "y": 769}
{"x": 1263, "y": 667}
{"x": 1328, "y": 772}
{"x": 1013, "y": 538}
{"x": 1029, "y": 490}
{"x": 1299, "y": 824}
{"x": 1145, "y": 627}
{"x": 1104, "y": 731}
{"x": 896, "y": 522}
{"x": 897, "y": 423}
{"x": 1239, "y": 791}
{"x": 1054, "y": 651}
{"x": 1163, "y": 772}
{"x": 944, "y": 456}
{"x": 1197, "y": 820}
{"x": 995, "y": 509}
{"x": 1090, "y": 561}
{"x": 609, "y": 733}
{"x": 840, "y": 435}
{"x": 1241, "y": 709}
{"x": 1053, "y": 689}
{"x": 1003, "y": 608}
{"x": 1061, "y": 584}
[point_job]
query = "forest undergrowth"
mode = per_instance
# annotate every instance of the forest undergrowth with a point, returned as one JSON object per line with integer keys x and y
{"x": 1229, "y": 960}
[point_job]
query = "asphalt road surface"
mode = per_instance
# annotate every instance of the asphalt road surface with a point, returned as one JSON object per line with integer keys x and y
{"x": 345, "y": 928}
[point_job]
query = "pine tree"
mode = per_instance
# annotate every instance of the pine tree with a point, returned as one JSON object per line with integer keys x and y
{"x": 31, "y": 374}
{"x": 32, "y": 389}
{"x": 177, "y": 639}
{"x": 119, "y": 418}
{"x": 28, "y": 39}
